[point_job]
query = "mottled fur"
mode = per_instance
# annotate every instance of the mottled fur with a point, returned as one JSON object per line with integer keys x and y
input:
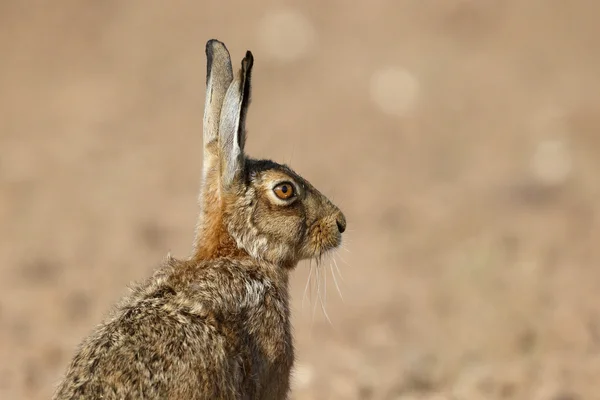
{"x": 217, "y": 325}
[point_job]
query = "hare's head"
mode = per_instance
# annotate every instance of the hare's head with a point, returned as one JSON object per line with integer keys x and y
{"x": 257, "y": 207}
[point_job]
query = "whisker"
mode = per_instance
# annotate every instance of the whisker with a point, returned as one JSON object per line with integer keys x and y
{"x": 307, "y": 282}
{"x": 326, "y": 315}
{"x": 343, "y": 260}
{"x": 313, "y": 301}
{"x": 325, "y": 284}
{"x": 337, "y": 269}
{"x": 318, "y": 290}
{"x": 344, "y": 247}
{"x": 321, "y": 299}
{"x": 336, "y": 282}
{"x": 339, "y": 272}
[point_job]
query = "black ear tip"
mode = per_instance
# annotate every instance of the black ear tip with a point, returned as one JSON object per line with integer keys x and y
{"x": 248, "y": 61}
{"x": 209, "y": 46}
{"x": 212, "y": 44}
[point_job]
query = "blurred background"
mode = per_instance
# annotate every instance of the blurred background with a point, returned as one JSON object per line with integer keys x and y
{"x": 460, "y": 138}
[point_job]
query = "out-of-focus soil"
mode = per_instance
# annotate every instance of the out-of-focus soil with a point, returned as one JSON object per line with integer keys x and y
{"x": 461, "y": 139}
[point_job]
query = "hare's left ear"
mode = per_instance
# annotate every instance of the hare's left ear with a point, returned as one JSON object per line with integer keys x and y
{"x": 219, "y": 76}
{"x": 232, "y": 126}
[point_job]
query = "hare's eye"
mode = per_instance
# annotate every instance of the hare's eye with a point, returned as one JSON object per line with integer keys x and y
{"x": 284, "y": 191}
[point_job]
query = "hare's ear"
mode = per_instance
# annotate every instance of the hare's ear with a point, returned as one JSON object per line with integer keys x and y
{"x": 219, "y": 76}
{"x": 232, "y": 129}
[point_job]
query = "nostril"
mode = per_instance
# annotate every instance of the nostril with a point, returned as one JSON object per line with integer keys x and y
{"x": 341, "y": 224}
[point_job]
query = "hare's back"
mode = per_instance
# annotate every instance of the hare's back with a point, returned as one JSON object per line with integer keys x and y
{"x": 152, "y": 348}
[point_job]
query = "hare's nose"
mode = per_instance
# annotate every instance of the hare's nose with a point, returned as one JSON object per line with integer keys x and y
{"x": 341, "y": 222}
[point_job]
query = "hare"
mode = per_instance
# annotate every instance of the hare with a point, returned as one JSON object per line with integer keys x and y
{"x": 217, "y": 324}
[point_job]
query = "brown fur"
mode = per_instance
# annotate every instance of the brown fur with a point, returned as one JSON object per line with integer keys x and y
{"x": 217, "y": 325}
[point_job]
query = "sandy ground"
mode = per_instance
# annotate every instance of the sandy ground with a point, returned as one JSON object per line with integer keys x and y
{"x": 460, "y": 138}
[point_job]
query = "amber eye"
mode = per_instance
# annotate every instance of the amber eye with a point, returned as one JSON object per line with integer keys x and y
{"x": 284, "y": 191}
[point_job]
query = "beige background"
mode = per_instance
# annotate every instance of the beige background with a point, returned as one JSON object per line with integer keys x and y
{"x": 459, "y": 137}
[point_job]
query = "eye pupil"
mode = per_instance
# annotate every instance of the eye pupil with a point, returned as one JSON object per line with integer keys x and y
{"x": 284, "y": 191}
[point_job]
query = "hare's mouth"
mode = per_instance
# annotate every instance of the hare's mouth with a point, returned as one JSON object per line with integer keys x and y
{"x": 324, "y": 238}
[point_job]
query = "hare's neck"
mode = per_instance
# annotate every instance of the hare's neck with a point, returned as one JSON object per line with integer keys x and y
{"x": 209, "y": 205}
{"x": 213, "y": 241}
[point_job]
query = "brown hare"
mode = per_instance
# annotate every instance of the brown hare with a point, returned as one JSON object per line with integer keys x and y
{"x": 216, "y": 325}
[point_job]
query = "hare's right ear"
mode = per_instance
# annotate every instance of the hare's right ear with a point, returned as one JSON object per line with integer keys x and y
{"x": 219, "y": 76}
{"x": 232, "y": 127}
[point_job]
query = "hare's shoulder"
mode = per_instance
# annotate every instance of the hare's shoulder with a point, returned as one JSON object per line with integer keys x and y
{"x": 154, "y": 341}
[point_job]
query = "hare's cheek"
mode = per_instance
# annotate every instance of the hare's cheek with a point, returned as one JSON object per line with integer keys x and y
{"x": 291, "y": 231}
{"x": 280, "y": 227}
